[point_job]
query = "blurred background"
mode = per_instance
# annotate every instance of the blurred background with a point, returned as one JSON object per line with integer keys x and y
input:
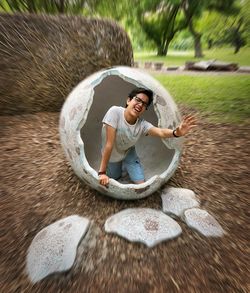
{"x": 161, "y": 26}
{"x": 173, "y": 32}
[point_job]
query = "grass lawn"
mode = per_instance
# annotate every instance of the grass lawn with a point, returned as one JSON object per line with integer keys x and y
{"x": 225, "y": 98}
{"x": 180, "y": 57}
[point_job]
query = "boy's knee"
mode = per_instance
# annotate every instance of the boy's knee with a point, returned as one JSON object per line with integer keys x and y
{"x": 139, "y": 181}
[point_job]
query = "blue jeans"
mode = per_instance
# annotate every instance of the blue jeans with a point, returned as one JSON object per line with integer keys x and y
{"x": 131, "y": 163}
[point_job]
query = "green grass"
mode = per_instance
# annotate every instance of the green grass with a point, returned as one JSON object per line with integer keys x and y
{"x": 180, "y": 57}
{"x": 225, "y": 98}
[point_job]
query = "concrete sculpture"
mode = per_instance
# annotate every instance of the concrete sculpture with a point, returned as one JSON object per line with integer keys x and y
{"x": 43, "y": 57}
{"x": 81, "y": 123}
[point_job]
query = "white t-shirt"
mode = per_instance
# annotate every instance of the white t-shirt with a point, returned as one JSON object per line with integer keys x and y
{"x": 126, "y": 134}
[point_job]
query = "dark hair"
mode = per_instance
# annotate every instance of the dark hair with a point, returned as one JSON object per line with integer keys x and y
{"x": 140, "y": 90}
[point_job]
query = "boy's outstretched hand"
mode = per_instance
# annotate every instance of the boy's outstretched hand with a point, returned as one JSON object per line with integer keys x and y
{"x": 186, "y": 125}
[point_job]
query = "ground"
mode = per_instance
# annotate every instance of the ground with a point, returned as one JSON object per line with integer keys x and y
{"x": 39, "y": 187}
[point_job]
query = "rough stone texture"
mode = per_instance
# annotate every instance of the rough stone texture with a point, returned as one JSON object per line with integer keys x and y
{"x": 54, "y": 248}
{"x": 203, "y": 222}
{"x": 176, "y": 200}
{"x": 80, "y": 124}
{"x": 143, "y": 225}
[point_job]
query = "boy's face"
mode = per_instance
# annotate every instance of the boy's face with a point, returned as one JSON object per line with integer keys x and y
{"x": 138, "y": 104}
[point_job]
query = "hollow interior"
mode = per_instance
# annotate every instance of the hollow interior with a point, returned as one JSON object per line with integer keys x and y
{"x": 113, "y": 91}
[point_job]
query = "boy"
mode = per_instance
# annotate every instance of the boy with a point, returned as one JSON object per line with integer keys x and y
{"x": 122, "y": 128}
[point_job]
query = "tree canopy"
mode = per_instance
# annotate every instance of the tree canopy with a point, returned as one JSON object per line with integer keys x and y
{"x": 157, "y": 22}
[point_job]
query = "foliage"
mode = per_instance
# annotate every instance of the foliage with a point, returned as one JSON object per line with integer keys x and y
{"x": 48, "y": 6}
{"x": 112, "y": 9}
{"x": 234, "y": 36}
{"x": 183, "y": 40}
{"x": 245, "y": 13}
{"x": 193, "y": 10}
{"x": 160, "y": 20}
{"x": 238, "y": 32}
{"x": 221, "y": 29}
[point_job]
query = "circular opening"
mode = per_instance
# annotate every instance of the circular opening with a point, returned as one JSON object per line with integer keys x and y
{"x": 113, "y": 91}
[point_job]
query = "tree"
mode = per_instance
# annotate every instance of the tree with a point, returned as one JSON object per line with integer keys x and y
{"x": 219, "y": 29}
{"x": 160, "y": 20}
{"x": 193, "y": 10}
{"x": 157, "y": 19}
{"x": 234, "y": 35}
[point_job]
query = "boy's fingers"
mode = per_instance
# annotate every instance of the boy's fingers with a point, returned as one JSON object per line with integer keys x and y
{"x": 104, "y": 181}
{"x": 191, "y": 121}
{"x": 192, "y": 126}
{"x": 189, "y": 118}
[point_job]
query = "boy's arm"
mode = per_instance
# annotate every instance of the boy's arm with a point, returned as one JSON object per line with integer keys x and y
{"x": 186, "y": 125}
{"x": 110, "y": 139}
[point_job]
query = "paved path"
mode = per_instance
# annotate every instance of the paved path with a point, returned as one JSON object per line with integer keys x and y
{"x": 199, "y": 73}
{"x": 180, "y": 71}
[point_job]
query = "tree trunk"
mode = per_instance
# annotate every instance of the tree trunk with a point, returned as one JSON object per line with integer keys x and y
{"x": 210, "y": 44}
{"x": 169, "y": 33}
{"x": 238, "y": 40}
{"x": 196, "y": 35}
{"x": 163, "y": 48}
{"x": 197, "y": 46}
{"x": 160, "y": 52}
{"x": 60, "y": 6}
{"x": 197, "y": 41}
{"x": 236, "y": 50}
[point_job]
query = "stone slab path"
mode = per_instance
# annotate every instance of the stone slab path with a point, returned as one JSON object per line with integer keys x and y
{"x": 180, "y": 70}
{"x": 143, "y": 225}
{"x": 54, "y": 248}
{"x": 203, "y": 222}
{"x": 176, "y": 200}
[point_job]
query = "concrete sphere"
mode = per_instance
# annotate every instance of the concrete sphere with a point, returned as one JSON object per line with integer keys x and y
{"x": 81, "y": 123}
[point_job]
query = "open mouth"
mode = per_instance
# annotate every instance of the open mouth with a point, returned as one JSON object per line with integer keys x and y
{"x": 138, "y": 109}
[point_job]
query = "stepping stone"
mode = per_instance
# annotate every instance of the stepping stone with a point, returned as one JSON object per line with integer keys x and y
{"x": 244, "y": 69}
{"x": 203, "y": 222}
{"x": 54, "y": 248}
{"x": 176, "y": 200}
{"x": 136, "y": 64}
{"x": 172, "y": 68}
{"x": 158, "y": 65}
{"x": 148, "y": 65}
{"x": 143, "y": 225}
